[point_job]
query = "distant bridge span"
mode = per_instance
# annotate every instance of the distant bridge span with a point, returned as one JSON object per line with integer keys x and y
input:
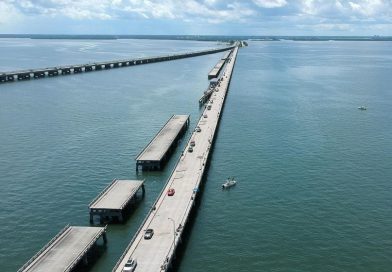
{"x": 20, "y": 75}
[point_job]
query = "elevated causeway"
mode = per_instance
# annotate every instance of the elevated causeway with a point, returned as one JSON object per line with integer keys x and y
{"x": 20, "y": 75}
{"x": 171, "y": 211}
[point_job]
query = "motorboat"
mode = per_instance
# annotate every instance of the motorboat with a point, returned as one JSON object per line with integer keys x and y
{"x": 362, "y": 108}
{"x": 230, "y": 182}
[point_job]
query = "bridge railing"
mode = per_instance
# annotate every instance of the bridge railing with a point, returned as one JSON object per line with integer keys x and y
{"x": 82, "y": 253}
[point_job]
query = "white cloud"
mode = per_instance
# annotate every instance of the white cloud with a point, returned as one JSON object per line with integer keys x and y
{"x": 270, "y": 3}
{"x": 368, "y": 7}
{"x": 190, "y": 10}
{"x": 8, "y": 13}
{"x": 322, "y": 15}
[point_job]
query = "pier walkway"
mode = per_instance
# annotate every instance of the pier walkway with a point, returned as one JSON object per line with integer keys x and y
{"x": 65, "y": 250}
{"x": 170, "y": 213}
{"x": 19, "y": 75}
{"x": 155, "y": 155}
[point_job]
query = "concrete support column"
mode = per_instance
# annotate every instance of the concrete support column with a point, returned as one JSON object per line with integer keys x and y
{"x": 85, "y": 259}
{"x": 105, "y": 239}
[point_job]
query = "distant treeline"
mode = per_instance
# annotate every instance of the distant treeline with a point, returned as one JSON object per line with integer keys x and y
{"x": 200, "y": 37}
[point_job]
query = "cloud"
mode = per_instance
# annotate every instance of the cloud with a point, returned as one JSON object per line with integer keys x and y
{"x": 190, "y": 10}
{"x": 270, "y": 3}
{"x": 204, "y": 15}
{"x": 8, "y": 13}
{"x": 187, "y": 10}
{"x": 367, "y": 8}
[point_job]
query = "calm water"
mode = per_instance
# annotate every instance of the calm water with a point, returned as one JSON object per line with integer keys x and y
{"x": 314, "y": 173}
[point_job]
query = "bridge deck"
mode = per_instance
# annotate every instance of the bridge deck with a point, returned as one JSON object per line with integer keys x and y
{"x": 170, "y": 213}
{"x": 65, "y": 251}
{"x": 217, "y": 69}
{"x": 161, "y": 143}
{"x": 117, "y": 194}
{"x": 227, "y": 55}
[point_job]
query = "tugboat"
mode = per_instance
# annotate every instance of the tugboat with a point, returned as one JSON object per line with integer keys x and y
{"x": 230, "y": 182}
{"x": 362, "y": 108}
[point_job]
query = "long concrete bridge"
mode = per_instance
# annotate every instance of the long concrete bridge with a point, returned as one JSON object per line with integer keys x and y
{"x": 20, "y": 75}
{"x": 66, "y": 250}
{"x": 170, "y": 213}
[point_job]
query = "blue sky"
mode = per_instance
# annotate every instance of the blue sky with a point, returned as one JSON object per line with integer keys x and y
{"x": 204, "y": 17}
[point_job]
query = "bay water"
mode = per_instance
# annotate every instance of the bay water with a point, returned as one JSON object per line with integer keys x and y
{"x": 314, "y": 173}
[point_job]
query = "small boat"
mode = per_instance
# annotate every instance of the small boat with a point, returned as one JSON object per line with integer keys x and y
{"x": 230, "y": 182}
{"x": 362, "y": 108}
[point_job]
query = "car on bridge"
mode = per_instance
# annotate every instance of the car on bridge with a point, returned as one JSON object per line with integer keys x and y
{"x": 171, "y": 192}
{"x": 148, "y": 234}
{"x": 130, "y": 266}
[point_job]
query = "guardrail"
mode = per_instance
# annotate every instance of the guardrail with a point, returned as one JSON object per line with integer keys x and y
{"x": 95, "y": 238}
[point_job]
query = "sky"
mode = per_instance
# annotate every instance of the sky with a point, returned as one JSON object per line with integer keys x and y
{"x": 197, "y": 17}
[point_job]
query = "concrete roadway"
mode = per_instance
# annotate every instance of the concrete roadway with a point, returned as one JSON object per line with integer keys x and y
{"x": 66, "y": 251}
{"x": 172, "y": 211}
{"x": 117, "y": 195}
{"x": 158, "y": 147}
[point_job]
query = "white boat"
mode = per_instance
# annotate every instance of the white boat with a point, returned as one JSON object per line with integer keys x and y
{"x": 230, "y": 182}
{"x": 362, "y": 108}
